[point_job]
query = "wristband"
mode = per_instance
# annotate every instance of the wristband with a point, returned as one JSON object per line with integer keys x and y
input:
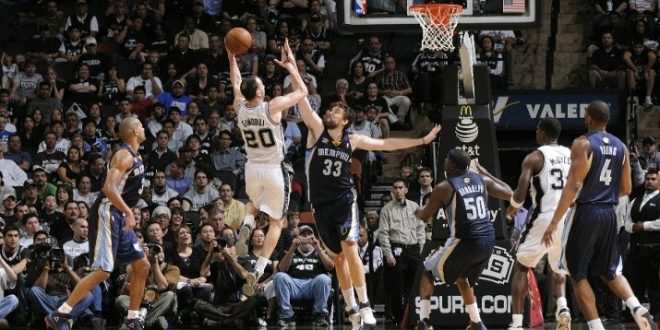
{"x": 515, "y": 204}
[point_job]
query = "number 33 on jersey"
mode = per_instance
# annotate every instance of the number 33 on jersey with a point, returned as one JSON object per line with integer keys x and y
{"x": 328, "y": 167}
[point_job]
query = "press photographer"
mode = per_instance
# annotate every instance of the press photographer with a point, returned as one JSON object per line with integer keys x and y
{"x": 159, "y": 297}
{"x": 51, "y": 280}
{"x": 227, "y": 273}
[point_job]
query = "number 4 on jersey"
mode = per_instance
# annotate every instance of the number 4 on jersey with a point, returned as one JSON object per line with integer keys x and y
{"x": 606, "y": 173}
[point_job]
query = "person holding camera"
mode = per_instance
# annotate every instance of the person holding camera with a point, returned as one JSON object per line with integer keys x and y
{"x": 159, "y": 297}
{"x": 51, "y": 280}
{"x": 303, "y": 274}
{"x": 227, "y": 273}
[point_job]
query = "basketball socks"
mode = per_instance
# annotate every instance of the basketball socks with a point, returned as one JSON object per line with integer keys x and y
{"x": 248, "y": 221}
{"x": 595, "y": 325}
{"x": 424, "y": 309}
{"x": 261, "y": 265}
{"x": 516, "y": 321}
{"x": 133, "y": 315}
{"x": 561, "y": 303}
{"x": 65, "y": 309}
{"x": 349, "y": 299}
{"x": 632, "y": 303}
{"x": 473, "y": 310}
{"x": 362, "y": 294}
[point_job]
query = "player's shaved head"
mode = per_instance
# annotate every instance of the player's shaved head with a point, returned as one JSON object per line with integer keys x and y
{"x": 551, "y": 127}
{"x": 599, "y": 112}
{"x": 127, "y": 126}
{"x": 459, "y": 158}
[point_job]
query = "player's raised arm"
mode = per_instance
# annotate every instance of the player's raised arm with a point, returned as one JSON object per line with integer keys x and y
{"x": 121, "y": 162}
{"x": 439, "y": 197}
{"x": 625, "y": 187}
{"x": 367, "y": 143}
{"x": 236, "y": 79}
{"x": 576, "y": 175}
{"x": 495, "y": 187}
{"x": 284, "y": 102}
{"x": 531, "y": 164}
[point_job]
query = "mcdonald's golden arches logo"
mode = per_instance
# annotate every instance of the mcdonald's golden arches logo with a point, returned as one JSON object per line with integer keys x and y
{"x": 465, "y": 111}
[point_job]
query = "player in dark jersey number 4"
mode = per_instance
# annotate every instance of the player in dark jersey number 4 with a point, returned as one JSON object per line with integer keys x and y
{"x": 599, "y": 174}
{"x": 114, "y": 241}
{"x": 467, "y": 252}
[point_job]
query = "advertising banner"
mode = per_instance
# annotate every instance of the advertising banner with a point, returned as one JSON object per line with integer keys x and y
{"x": 523, "y": 110}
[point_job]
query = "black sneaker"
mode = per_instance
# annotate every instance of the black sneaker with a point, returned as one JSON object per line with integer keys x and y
{"x": 58, "y": 321}
{"x": 320, "y": 320}
{"x": 287, "y": 323}
{"x": 424, "y": 325}
{"x": 132, "y": 324}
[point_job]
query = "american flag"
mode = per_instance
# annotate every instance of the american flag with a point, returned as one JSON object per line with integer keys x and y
{"x": 513, "y": 6}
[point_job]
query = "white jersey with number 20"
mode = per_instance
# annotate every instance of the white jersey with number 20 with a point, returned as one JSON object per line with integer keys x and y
{"x": 264, "y": 139}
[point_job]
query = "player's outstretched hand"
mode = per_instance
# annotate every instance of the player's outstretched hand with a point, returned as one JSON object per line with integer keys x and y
{"x": 284, "y": 61}
{"x": 130, "y": 222}
{"x": 433, "y": 134}
{"x": 547, "y": 236}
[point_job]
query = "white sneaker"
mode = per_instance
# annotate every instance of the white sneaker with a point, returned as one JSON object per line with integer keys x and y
{"x": 644, "y": 320}
{"x": 648, "y": 102}
{"x": 511, "y": 327}
{"x": 251, "y": 279}
{"x": 367, "y": 314}
{"x": 563, "y": 318}
{"x": 356, "y": 321}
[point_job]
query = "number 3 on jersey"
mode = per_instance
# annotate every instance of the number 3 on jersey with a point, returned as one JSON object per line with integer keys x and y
{"x": 332, "y": 168}
{"x": 262, "y": 139}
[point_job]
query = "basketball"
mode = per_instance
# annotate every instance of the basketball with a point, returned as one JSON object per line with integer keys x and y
{"x": 238, "y": 40}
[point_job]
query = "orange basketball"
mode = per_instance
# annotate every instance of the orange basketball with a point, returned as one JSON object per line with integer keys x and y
{"x": 238, "y": 40}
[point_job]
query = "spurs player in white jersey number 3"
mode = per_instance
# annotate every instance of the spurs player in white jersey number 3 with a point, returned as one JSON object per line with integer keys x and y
{"x": 544, "y": 173}
{"x": 266, "y": 180}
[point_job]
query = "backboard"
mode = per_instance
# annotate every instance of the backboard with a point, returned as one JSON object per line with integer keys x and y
{"x": 394, "y": 16}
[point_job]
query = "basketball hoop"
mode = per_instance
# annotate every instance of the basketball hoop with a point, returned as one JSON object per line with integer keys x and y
{"x": 438, "y": 22}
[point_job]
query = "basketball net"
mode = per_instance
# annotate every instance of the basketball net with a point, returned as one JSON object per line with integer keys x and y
{"x": 438, "y": 22}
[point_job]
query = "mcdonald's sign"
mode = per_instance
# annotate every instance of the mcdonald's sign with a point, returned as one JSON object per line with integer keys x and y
{"x": 465, "y": 111}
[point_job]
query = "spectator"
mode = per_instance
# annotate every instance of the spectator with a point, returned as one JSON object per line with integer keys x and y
{"x": 199, "y": 86}
{"x": 16, "y": 153}
{"x": 234, "y": 209}
{"x": 218, "y": 124}
{"x": 83, "y": 20}
{"x": 317, "y": 31}
{"x": 198, "y": 38}
{"x": 161, "y": 192}
{"x": 91, "y": 142}
{"x": 385, "y": 115}
{"x": 394, "y": 87}
{"x": 25, "y": 84}
{"x": 259, "y": 38}
{"x": 650, "y": 156}
{"x": 43, "y": 100}
{"x": 57, "y": 87}
{"x": 201, "y": 129}
{"x": 202, "y": 20}
{"x": 374, "y": 269}
{"x": 159, "y": 288}
{"x": 227, "y": 159}
{"x": 45, "y": 47}
{"x": 161, "y": 155}
{"x": 82, "y": 90}
{"x": 215, "y": 57}
{"x": 40, "y": 180}
{"x": 132, "y": 39}
{"x": 303, "y": 274}
{"x": 79, "y": 244}
{"x": 96, "y": 171}
{"x": 362, "y": 126}
{"x": 372, "y": 58}
{"x": 192, "y": 285}
{"x": 61, "y": 230}
{"x": 423, "y": 187}
{"x": 52, "y": 19}
{"x": 115, "y": 22}
{"x": 606, "y": 64}
{"x": 162, "y": 216}
{"x": 357, "y": 82}
{"x": 30, "y": 135}
{"x": 93, "y": 59}
{"x": 83, "y": 193}
{"x": 71, "y": 168}
{"x": 642, "y": 31}
{"x": 640, "y": 62}
{"x": 12, "y": 174}
{"x": 8, "y": 302}
{"x": 152, "y": 85}
{"x": 493, "y": 60}
{"x": 200, "y": 194}
{"x": 205, "y": 236}
{"x": 177, "y": 179}
{"x": 641, "y": 221}
{"x": 182, "y": 56}
{"x": 176, "y": 99}
{"x": 31, "y": 225}
{"x": 307, "y": 77}
{"x": 72, "y": 47}
{"x": 402, "y": 237}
